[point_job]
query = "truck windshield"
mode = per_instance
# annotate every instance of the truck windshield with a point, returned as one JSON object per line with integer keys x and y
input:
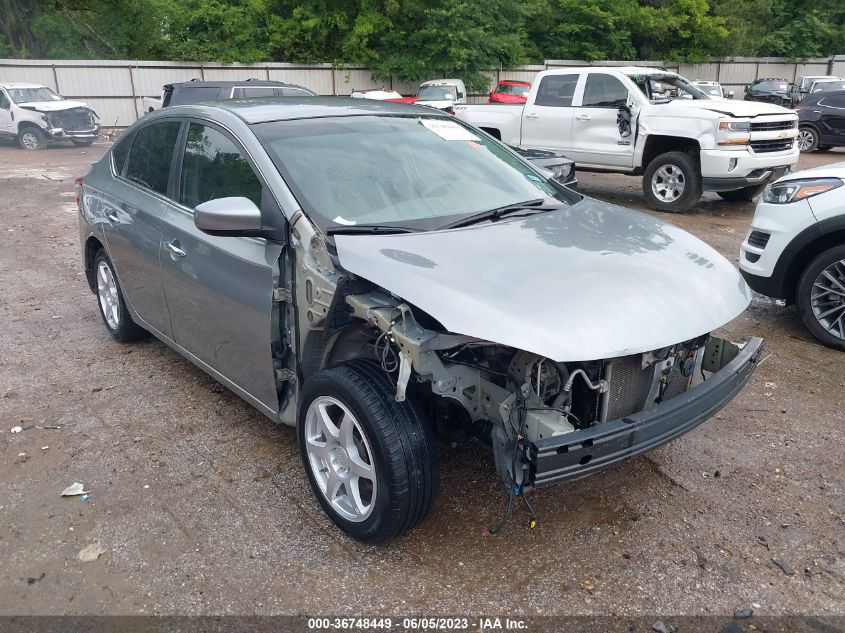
{"x": 32, "y": 95}
{"x": 414, "y": 172}
{"x": 664, "y": 88}
{"x": 437, "y": 93}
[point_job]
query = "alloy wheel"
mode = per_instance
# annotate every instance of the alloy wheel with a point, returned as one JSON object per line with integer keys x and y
{"x": 340, "y": 458}
{"x": 29, "y": 140}
{"x": 668, "y": 183}
{"x": 805, "y": 140}
{"x": 827, "y": 299}
{"x": 108, "y": 295}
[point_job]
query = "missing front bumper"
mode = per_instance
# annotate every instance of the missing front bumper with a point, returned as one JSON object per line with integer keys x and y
{"x": 581, "y": 453}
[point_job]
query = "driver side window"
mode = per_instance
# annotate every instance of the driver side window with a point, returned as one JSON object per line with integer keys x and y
{"x": 604, "y": 91}
{"x": 4, "y": 101}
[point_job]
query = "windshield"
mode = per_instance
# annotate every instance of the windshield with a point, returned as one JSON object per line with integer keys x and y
{"x": 32, "y": 95}
{"x": 713, "y": 91}
{"x": 825, "y": 86}
{"x": 664, "y": 88}
{"x": 415, "y": 172}
{"x": 770, "y": 85}
{"x": 513, "y": 89}
{"x": 437, "y": 93}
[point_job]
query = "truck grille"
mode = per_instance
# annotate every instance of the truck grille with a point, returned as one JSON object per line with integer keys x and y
{"x": 73, "y": 120}
{"x": 769, "y": 126}
{"x": 772, "y": 145}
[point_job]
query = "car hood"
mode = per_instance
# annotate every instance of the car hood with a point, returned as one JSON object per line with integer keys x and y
{"x": 730, "y": 107}
{"x": 440, "y": 105}
{"x": 586, "y": 282}
{"x": 52, "y": 106}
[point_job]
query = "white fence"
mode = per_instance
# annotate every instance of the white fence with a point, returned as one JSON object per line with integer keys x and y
{"x": 115, "y": 89}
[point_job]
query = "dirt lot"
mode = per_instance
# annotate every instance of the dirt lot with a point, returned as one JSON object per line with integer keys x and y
{"x": 202, "y": 506}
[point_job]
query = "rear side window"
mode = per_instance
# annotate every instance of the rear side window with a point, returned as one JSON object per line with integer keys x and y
{"x": 556, "y": 91}
{"x": 835, "y": 101}
{"x": 214, "y": 168}
{"x": 4, "y": 101}
{"x": 293, "y": 92}
{"x": 253, "y": 91}
{"x": 119, "y": 152}
{"x": 195, "y": 94}
{"x": 604, "y": 91}
{"x": 151, "y": 155}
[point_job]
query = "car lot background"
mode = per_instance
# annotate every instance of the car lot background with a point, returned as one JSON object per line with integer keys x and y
{"x": 202, "y": 506}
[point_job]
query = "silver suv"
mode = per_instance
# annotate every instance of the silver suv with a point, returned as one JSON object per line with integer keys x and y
{"x": 381, "y": 276}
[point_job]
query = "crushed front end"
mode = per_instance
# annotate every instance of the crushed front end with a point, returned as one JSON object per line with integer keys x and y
{"x": 78, "y": 123}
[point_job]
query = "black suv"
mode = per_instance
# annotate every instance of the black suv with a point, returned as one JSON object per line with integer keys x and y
{"x": 196, "y": 91}
{"x": 769, "y": 90}
{"x": 821, "y": 121}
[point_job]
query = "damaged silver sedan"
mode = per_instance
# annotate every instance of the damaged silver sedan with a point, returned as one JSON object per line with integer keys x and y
{"x": 383, "y": 277}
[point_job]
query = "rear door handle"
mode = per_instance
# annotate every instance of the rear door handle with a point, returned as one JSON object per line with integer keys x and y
{"x": 532, "y": 115}
{"x": 582, "y": 117}
{"x": 173, "y": 247}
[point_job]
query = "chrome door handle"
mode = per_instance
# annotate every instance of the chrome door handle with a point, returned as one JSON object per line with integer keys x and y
{"x": 532, "y": 115}
{"x": 582, "y": 117}
{"x": 113, "y": 217}
{"x": 173, "y": 248}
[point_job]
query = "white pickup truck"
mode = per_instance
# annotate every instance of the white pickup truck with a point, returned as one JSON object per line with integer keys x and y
{"x": 651, "y": 122}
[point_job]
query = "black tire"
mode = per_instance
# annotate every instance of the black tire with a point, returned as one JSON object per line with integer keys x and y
{"x": 745, "y": 194}
{"x": 400, "y": 440}
{"x": 824, "y": 148}
{"x": 84, "y": 143}
{"x": 123, "y": 328}
{"x": 808, "y": 139}
{"x": 31, "y": 138}
{"x": 807, "y": 289}
{"x": 689, "y": 176}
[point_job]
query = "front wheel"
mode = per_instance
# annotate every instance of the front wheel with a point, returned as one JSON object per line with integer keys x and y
{"x": 808, "y": 140}
{"x": 672, "y": 182}
{"x": 821, "y": 297}
{"x": 31, "y": 138}
{"x": 371, "y": 461}
{"x": 745, "y": 194}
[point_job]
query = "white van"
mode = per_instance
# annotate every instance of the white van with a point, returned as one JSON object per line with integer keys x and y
{"x": 442, "y": 93}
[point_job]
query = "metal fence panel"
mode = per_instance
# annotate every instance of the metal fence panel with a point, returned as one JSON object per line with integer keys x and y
{"x": 149, "y": 80}
{"x": 10, "y": 73}
{"x": 94, "y": 82}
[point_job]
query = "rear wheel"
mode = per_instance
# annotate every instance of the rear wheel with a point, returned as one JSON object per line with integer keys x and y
{"x": 672, "y": 182}
{"x": 808, "y": 139}
{"x": 371, "y": 461}
{"x": 821, "y": 297}
{"x": 31, "y": 138}
{"x": 741, "y": 195}
{"x": 112, "y": 306}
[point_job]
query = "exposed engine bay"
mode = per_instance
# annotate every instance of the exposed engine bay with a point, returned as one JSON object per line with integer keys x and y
{"x": 512, "y": 398}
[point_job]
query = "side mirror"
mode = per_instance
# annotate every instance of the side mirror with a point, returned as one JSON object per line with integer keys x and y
{"x": 228, "y": 217}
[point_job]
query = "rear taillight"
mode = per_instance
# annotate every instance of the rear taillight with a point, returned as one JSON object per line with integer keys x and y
{"x": 79, "y": 183}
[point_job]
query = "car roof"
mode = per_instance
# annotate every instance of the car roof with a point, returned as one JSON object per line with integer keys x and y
{"x": 267, "y": 109}
{"x": 231, "y": 84}
{"x": 13, "y": 86}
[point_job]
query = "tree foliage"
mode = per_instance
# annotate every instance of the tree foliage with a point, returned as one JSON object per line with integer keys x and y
{"x": 418, "y": 39}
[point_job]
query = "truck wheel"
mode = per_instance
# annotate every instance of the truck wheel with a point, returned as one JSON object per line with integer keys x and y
{"x": 821, "y": 297}
{"x": 741, "y": 195}
{"x": 112, "y": 306}
{"x": 672, "y": 182}
{"x": 808, "y": 140}
{"x": 370, "y": 460}
{"x": 32, "y": 138}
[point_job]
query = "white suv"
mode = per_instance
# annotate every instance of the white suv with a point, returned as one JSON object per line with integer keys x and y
{"x": 35, "y": 116}
{"x": 795, "y": 249}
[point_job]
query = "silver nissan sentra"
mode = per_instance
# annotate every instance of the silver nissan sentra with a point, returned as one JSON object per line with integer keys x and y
{"x": 383, "y": 277}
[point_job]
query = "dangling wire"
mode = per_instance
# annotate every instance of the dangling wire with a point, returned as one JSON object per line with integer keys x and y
{"x": 386, "y": 355}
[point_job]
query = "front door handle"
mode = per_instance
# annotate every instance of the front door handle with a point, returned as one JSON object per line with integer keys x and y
{"x": 532, "y": 115}
{"x": 112, "y": 216}
{"x": 173, "y": 247}
{"x": 582, "y": 117}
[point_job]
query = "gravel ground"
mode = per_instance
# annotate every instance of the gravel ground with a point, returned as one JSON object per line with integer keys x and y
{"x": 202, "y": 506}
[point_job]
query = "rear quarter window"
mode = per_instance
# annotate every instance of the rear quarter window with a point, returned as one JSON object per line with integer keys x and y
{"x": 119, "y": 152}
